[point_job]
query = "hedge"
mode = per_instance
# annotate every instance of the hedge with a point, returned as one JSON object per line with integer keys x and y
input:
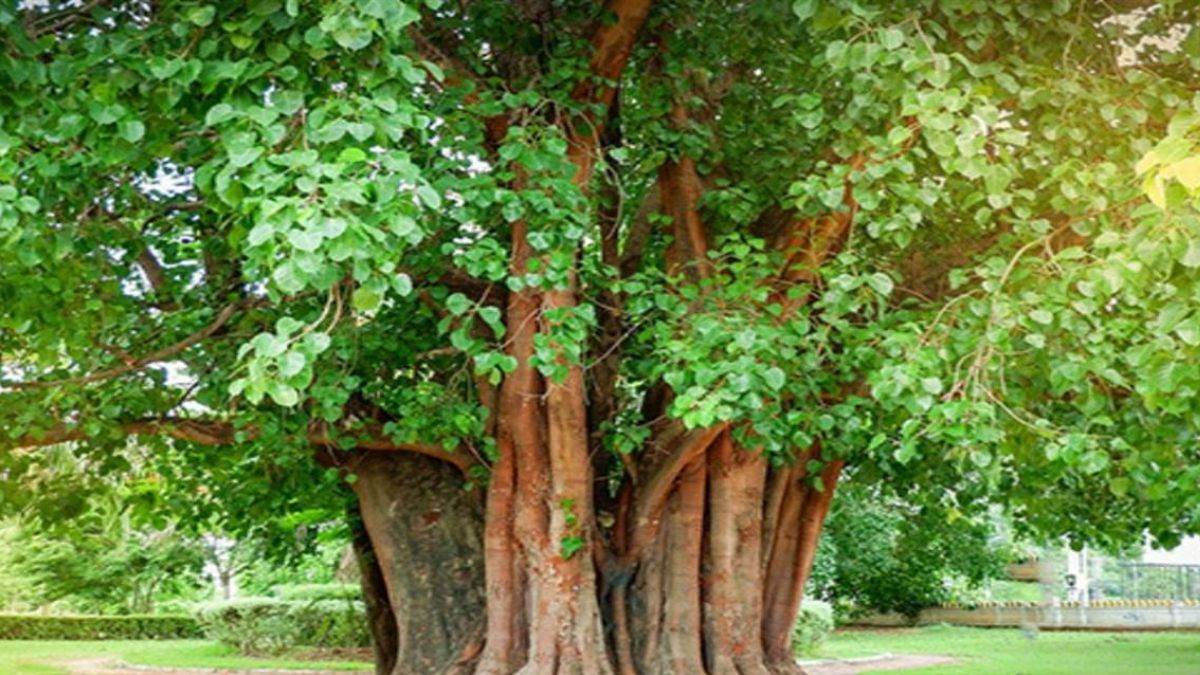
{"x": 272, "y": 625}
{"x": 132, "y": 627}
{"x": 317, "y": 592}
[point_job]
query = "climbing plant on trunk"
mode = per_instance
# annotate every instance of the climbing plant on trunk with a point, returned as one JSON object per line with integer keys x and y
{"x": 593, "y": 305}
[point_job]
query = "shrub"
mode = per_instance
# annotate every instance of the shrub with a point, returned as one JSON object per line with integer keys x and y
{"x": 813, "y": 626}
{"x": 132, "y": 627}
{"x": 317, "y": 592}
{"x": 272, "y": 625}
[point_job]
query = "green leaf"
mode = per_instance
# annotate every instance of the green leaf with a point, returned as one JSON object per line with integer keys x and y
{"x": 429, "y": 196}
{"x": 891, "y": 38}
{"x": 131, "y": 130}
{"x": 315, "y": 343}
{"x": 402, "y": 284}
{"x": 287, "y": 101}
{"x": 881, "y": 283}
{"x": 292, "y": 363}
{"x": 162, "y": 68}
{"x": 260, "y": 233}
{"x": 1042, "y": 316}
{"x": 283, "y": 394}
{"x": 305, "y": 240}
{"x": 1191, "y": 257}
{"x": 775, "y": 377}
{"x": 571, "y": 545}
{"x": 351, "y": 155}
{"x": 491, "y": 316}
{"x": 286, "y": 326}
{"x": 1189, "y": 331}
{"x": 365, "y": 299}
{"x": 218, "y": 113}
{"x": 804, "y": 9}
{"x": 268, "y": 345}
{"x": 1119, "y": 486}
{"x": 287, "y": 278}
{"x": 244, "y": 156}
{"x": 202, "y": 16}
{"x": 27, "y": 204}
{"x": 458, "y": 304}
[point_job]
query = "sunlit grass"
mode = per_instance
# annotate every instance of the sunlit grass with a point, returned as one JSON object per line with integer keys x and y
{"x": 22, "y": 657}
{"x": 984, "y": 651}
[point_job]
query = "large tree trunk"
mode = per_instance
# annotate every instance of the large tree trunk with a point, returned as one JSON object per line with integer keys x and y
{"x": 714, "y": 590}
{"x": 425, "y": 534}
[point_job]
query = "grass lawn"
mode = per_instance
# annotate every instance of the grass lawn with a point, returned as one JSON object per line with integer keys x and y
{"x": 997, "y": 651}
{"x": 982, "y": 652}
{"x": 21, "y": 657}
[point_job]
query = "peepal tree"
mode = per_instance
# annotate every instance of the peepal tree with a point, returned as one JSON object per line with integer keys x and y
{"x": 646, "y": 277}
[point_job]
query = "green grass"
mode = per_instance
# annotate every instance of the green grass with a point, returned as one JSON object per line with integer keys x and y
{"x": 981, "y": 652}
{"x": 21, "y": 657}
{"x": 998, "y": 651}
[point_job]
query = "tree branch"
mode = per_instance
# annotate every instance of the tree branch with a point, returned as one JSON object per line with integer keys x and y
{"x": 372, "y": 437}
{"x": 221, "y": 319}
{"x": 651, "y": 497}
{"x": 195, "y": 431}
{"x": 152, "y": 268}
{"x": 208, "y": 432}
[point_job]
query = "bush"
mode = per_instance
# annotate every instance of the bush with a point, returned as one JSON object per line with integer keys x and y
{"x": 317, "y": 592}
{"x": 132, "y": 627}
{"x": 273, "y": 625}
{"x": 813, "y": 626}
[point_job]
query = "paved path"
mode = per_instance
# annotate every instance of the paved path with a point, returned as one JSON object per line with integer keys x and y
{"x": 885, "y": 662}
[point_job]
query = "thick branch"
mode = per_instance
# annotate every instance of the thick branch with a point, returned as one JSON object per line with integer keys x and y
{"x": 651, "y": 498}
{"x": 612, "y": 43}
{"x": 195, "y": 431}
{"x": 208, "y": 432}
{"x": 372, "y": 437}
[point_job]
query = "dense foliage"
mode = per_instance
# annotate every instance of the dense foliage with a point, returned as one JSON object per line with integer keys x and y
{"x": 948, "y": 243}
{"x": 161, "y": 178}
{"x": 882, "y": 554}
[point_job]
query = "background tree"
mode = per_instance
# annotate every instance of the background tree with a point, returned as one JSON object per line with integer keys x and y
{"x": 879, "y": 553}
{"x": 653, "y": 272}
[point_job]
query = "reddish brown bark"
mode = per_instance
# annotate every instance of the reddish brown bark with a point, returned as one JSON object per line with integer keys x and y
{"x": 679, "y": 190}
{"x": 543, "y": 427}
{"x": 669, "y": 616}
{"x": 732, "y": 606}
{"x": 515, "y": 500}
{"x": 801, "y": 519}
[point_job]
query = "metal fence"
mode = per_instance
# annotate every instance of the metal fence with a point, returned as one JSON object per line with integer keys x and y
{"x": 1149, "y": 581}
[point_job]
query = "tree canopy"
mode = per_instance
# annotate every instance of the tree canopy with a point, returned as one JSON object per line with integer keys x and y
{"x": 947, "y": 243}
